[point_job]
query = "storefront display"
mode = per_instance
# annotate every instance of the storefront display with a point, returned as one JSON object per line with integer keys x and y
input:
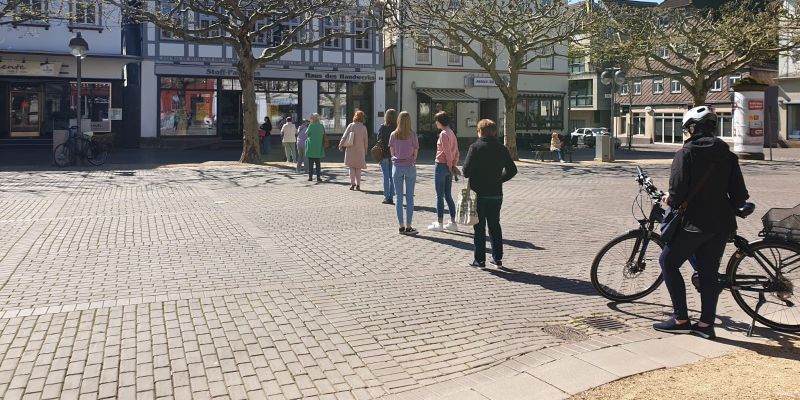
{"x": 187, "y": 106}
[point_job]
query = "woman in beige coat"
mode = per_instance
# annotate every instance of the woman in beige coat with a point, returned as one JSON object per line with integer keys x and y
{"x": 355, "y": 154}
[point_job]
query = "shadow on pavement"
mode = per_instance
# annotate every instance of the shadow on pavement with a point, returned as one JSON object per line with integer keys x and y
{"x": 554, "y": 283}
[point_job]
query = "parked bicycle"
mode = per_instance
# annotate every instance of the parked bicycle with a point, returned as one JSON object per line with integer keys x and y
{"x": 762, "y": 275}
{"x": 87, "y": 147}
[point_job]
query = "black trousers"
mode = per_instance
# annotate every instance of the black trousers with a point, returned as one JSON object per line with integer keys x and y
{"x": 489, "y": 215}
{"x": 707, "y": 249}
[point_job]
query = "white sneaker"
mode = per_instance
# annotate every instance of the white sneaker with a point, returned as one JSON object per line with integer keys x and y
{"x": 451, "y": 226}
{"x": 436, "y": 227}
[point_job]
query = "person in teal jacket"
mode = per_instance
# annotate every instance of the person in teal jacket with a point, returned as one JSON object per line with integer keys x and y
{"x": 315, "y": 146}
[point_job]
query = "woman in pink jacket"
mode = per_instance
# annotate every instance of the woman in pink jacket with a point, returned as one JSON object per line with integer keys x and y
{"x": 355, "y": 152}
{"x": 447, "y": 156}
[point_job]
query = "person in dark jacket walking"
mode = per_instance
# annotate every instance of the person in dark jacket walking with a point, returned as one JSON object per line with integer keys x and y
{"x": 488, "y": 165}
{"x": 706, "y": 166}
{"x": 384, "y": 134}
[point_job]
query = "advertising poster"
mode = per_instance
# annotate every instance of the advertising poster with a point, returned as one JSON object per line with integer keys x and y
{"x": 748, "y": 122}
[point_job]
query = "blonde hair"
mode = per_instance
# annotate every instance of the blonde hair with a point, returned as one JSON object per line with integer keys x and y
{"x": 555, "y": 135}
{"x": 390, "y": 117}
{"x": 487, "y": 127}
{"x": 403, "y": 131}
{"x": 359, "y": 116}
{"x": 314, "y": 117}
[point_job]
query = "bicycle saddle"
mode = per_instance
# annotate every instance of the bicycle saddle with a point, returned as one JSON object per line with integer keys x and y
{"x": 746, "y": 210}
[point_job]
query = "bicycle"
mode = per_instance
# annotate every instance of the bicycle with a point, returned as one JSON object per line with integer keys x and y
{"x": 761, "y": 274}
{"x": 82, "y": 147}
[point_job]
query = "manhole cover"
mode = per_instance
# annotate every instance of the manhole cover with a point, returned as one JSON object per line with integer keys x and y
{"x": 125, "y": 173}
{"x": 565, "y": 332}
{"x": 602, "y": 323}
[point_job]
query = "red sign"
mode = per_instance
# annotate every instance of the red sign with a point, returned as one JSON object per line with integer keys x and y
{"x": 755, "y": 105}
{"x": 756, "y": 132}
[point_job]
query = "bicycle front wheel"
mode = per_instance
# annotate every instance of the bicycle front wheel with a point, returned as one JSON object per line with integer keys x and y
{"x": 62, "y": 155}
{"x": 96, "y": 154}
{"x": 778, "y": 290}
{"x": 627, "y": 268}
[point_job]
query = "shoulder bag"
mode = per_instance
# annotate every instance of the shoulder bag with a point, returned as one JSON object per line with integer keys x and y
{"x": 347, "y": 137}
{"x": 467, "y": 207}
{"x": 673, "y": 218}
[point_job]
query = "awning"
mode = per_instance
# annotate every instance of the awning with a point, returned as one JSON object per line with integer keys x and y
{"x": 546, "y": 95}
{"x": 448, "y": 95}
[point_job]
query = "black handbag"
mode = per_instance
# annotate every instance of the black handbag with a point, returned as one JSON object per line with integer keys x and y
{"x": 673, "y": 218}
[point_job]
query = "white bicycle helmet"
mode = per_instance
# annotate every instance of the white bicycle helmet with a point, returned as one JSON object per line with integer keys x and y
{"x": 703, "y": 115}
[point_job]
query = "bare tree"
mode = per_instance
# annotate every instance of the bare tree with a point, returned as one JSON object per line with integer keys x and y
{"x": 276, "y": 26}
{"x": 694, "y": 46}
{"x": 16, "y": 12}
{"x": 502, "y": 36}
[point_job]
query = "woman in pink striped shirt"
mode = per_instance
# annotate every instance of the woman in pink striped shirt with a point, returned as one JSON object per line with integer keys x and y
{"x": 447, "y": 156}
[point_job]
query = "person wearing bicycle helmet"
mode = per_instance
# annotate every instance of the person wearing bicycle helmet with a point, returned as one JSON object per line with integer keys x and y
{"x": 707, "y": 183}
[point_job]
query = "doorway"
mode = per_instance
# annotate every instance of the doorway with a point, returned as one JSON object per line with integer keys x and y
{"x": 230, "y": 119}
{"x": 488, "y": 109}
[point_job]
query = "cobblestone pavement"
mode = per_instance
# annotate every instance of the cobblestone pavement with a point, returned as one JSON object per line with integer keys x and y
{"x": 250, "y": 282}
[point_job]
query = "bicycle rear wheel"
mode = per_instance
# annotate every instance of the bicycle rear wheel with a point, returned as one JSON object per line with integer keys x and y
{"x": 62, "y": 155}
{"x": 625, "y": 269}
{"x": 96, "y": 153}
{"x": 781, "y": 292}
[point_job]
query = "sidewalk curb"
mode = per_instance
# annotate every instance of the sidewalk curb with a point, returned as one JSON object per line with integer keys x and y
{"x": 565, "y": 370}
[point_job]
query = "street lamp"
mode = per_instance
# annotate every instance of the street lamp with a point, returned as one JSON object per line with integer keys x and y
{"x": 79, "y": 49}
{"x": 615, "y": 77}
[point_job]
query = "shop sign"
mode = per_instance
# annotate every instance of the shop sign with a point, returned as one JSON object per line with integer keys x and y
{"x": 340, "y": 76}
{"x": 115, "y": 114}
{"x": 755, "y": 105}
{"x": 483, "y": 81}
{"x": 265, "y": 73}
{"x": 32, "y": 68}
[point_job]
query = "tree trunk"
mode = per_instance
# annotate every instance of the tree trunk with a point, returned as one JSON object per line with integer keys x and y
{"x": 251, "y": 149}
{"x": 699, "y": 97}
{"x": 510, "y": 125}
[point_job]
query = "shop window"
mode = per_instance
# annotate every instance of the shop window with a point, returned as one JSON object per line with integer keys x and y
{"x": 540, "y": 113}
{"x": 360, "y": 25}
{"x": 638, "y": 123}
{"x": 333, "y": 106}
{"x": 793, "y": 122}
{"x": 187, "y": 106}
{"x": 277, "y": 100}
{"x": 95, "y": 103}
{"x": 668, "y": 128}
{"x": 86, "y": 12}
{"x": 427, "y": 108}
{"x": 25, "y": 110}
{"x": 725, "y": 123}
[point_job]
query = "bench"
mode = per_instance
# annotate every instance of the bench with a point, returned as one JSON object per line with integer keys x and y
{"x": 540, "y": 150}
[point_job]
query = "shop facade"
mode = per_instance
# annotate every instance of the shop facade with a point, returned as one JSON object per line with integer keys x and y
{"x": 789, "y": 100}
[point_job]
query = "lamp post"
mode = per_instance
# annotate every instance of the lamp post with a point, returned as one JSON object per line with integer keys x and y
{"x": 79, "y": 49}
{"x": 615, "y": 77}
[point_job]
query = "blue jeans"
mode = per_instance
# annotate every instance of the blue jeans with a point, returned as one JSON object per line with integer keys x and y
{"x": 706, "y": 249}
{"x": 404, "y": 176}
{"x": 444, "y": 185}
{"x": 558, "y": 153}
{"x": 310, "y": 165}
{"x": 265, "y": 145}
{"x": 388, "y": 183}
{"x": 488, "y": 215}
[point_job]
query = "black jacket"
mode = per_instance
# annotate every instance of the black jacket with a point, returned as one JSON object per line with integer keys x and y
{"x": 384, "y": 133}
{"x": 712, "y": 209}
{"x": 488, "y": 165}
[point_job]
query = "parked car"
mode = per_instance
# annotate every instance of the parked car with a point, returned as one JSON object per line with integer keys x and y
{"x": 576, "y": 136}
{"x": 591, "y": 140}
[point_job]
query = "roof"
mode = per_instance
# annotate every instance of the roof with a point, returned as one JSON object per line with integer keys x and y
{"x": 447, "y": 95}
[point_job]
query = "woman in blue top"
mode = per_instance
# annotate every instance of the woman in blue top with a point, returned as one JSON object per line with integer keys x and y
{"x": 404, "y": 146}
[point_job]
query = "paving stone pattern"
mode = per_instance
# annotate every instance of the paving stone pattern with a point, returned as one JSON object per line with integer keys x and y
{"x": 251, "y": 282}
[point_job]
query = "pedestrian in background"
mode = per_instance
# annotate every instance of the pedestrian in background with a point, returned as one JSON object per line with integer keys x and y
{"x": 315, "y": 148}
{"x": 302, "y": 135}
{"x": 266, "y": 128}
{"x": 404, "y": 147}
{"x": 384, "y": 134}
{"x": 355, "y": 152}
{"x": 487, "y": 166}
{"x": 447, "y": 156}
{"x": 289, "y": 134}
{"x": 556, "y": 145}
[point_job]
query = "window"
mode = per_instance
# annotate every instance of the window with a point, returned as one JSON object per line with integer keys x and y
{"x": 486, "y": 53}
{"x": 333, "y": 106}
{"x": 725, "y": 124}
{"x": 261, "y": 37}
{"x": 33, "y": 8}
{"x": 540, "y": 113}
{"x": 733, "y": 80}
{"x": 423, "y": 53}
{"x": 674, "y": 86}
{"x": 207, "y": 24}
{"x": 332, "y": 26}
{"x": 658, "y": 86}
{"x": 717, "y": 85}
{"x": 187, "y": 106}
{"x": 580, "y": 92}
{"x": 454, "y": 59}
{"x": 86, "y": 12}
{"x": 166, "y": 8}
{"x": 638, "y": 123}
{"x": 668, "y": 128}
{"x": 361, "y": 25}
{"x": 548, "y": 61}
{"x": 623, "y": 90}
{"x": 577, "y": 65}
{"x": 279, "y": 33}
{"x": 637, "y": 87}
{"x": 663, "y": 52}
